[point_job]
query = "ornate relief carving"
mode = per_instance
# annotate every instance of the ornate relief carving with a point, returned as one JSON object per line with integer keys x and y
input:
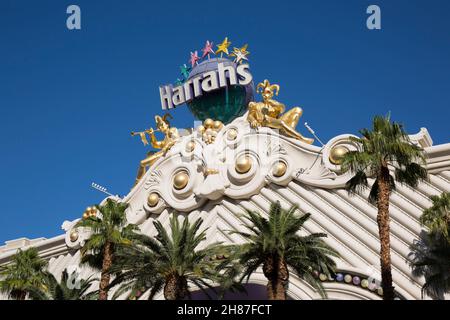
{"x": 75, "y": 237}
{"x": 238, "y": 163}
{"x": 153, "y": 179}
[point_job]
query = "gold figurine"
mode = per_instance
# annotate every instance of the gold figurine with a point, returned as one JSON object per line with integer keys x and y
{"x": 170, "y": 138}
{"x": 269, "y": 113}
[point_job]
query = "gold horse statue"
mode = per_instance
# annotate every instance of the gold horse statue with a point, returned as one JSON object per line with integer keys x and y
{"x": 171, "y": 136}
{"x": 269, "y": 113}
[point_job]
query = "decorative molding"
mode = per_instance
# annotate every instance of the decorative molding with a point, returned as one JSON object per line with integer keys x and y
{"x": 153, "y": 179}
{"x": 422, "y": 138}
{"x": 69, "y": 228}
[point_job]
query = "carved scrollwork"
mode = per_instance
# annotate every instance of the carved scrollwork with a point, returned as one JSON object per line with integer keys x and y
{"x": 75, "y": 236}
{"x": 238, "y": 164}
{"x": 335, "y": 149}
{"x": 153, "y": 179}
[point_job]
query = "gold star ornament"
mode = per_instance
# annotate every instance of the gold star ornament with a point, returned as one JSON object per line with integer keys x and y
{"x": 243, "y": 49}
{"x": 240, "y": 54}
{"x": 223, "y": 47}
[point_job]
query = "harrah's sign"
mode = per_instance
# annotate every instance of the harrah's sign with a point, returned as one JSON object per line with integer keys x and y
{"x": 205, "y": 82}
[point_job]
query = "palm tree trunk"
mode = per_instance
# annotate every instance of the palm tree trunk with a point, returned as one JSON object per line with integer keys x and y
{"x": 384, "y": 233}
{"x": 276, "y": 271}
{"x": 175, "y": 288}
{"x": 19, "y": 294}
{"x": 105, "y": 276}
{"x": 275, "y": 289}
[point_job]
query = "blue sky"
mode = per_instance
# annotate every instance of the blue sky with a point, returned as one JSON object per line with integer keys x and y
{"x": 69, "y": 99}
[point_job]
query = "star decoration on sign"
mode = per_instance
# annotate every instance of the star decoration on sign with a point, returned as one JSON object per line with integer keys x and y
{"x": 223, "y": 47}
{"x": 207, "y": 50}
{"x": 194, "y": 58}
{"x": 185, "y": 71}
{"x": 240, "y": 54}
{"x": 243, "y": 49}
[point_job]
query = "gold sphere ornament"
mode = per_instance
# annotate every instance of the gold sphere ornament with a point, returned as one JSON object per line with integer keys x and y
{"x": 180, "y": 180}
{"x": 348, "y": 278}
{"x": 92, "y": 212}
{"x": 85, "y": 215}
{"x": 337, "y": 154}
{"x": 323, "y": 277}
{"x": 153, "y": 199}
{"x": 209, "y": 136}
{"x": 243, "y": 164}
{"x": 190, "y": 146}
{"x": 232, "y": 134}
{"x": 217, "y": 125}
{"x": 201, "y": 129}
{"x": 210, "y": 132}
{"x": 364, "y": 283}
{"x": 208, "y": 123}
{"x": 279, "y": 169}
{"x": 73, "y": 236}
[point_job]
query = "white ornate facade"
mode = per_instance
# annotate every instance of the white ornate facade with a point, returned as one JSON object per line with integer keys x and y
{"x": 309, "y": 180}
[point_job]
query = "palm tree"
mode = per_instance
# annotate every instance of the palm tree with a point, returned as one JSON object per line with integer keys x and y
{"x": 25, "y": 272}
{"x": 430, "y": 255}
{"x": 437, "y": 217}
{"x": 275, "y": 244}
{"x": 385, "y": 147}
{"x": 171, "y": 262}
{"x": 430, "y": 258}
{"x": 54, "y": 290}
{"x": 109, "y": 229}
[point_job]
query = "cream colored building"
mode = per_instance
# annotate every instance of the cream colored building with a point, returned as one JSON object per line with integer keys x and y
{"x": 306, "y": 177}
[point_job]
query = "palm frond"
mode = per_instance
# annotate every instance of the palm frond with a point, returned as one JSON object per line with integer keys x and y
{"x": 411, "y": 174}
{"x": 25, "y": 272}
{"x": 357, "y": 183}
{"x": 148, "y": 262}
{"x": 437, "y": 217}
{"x": 386, "y": 144}
{"x": 430, "y": 258}
{"x": 278, "y": 236}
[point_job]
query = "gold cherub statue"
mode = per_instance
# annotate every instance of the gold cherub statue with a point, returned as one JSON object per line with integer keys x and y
{"x": 269, "y": 113}
{"x": 170, "y": 138}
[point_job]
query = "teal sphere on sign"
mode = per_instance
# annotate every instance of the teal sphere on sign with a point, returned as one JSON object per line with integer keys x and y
{"x": 224, "y": 104}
